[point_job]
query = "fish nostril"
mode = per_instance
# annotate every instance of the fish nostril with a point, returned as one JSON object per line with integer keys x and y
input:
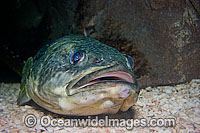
{"x": 98, "y": 61}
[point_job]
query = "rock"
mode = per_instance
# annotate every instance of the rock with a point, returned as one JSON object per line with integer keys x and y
{"x": 167, "y": 90}
{"x": 162, "y": 36}
{"x": 148, "y": 89}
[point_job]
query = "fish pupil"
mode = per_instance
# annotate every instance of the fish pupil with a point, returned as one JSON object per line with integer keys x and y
{"x": 131, "y": 60}
{"x": 76, "y": 57}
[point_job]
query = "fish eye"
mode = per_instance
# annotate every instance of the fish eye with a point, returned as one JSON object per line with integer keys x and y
{"x": 77, "y": 56}
{"x": 130, "y": 61}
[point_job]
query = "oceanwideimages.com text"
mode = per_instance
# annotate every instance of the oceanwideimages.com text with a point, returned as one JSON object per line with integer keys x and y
{"x": 46, "y": 121}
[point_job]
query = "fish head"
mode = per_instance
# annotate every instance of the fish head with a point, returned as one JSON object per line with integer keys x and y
{"x": 81, "y": 76}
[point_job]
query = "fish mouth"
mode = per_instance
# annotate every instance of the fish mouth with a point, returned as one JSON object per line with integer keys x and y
{"x": 104, "y": 90}
{"x": 111, "y": 74}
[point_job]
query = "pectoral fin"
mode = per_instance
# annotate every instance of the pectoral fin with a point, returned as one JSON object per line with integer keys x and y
{"x": 23, "y": 95}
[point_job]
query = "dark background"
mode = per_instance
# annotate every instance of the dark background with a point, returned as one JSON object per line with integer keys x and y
{"x": 162, "y": 36}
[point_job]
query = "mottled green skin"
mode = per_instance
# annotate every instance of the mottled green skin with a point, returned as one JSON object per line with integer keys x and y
{"x": 49, "y": 75}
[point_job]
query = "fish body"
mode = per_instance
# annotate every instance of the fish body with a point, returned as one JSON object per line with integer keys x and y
{"x": 77, "y": 75}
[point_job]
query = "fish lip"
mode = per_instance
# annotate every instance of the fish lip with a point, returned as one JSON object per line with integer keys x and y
{"x": 111, "y": 71}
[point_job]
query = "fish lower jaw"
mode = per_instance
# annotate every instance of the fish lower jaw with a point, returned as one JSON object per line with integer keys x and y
{"x": 97, "y": 104}
{"x": 100, "y": 107}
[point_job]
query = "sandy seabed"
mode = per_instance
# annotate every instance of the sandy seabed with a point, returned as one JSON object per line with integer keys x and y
{"x": 180, "y": 103}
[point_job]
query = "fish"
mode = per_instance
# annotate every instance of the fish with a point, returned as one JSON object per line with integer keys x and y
{"x": 79, "y": 76}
